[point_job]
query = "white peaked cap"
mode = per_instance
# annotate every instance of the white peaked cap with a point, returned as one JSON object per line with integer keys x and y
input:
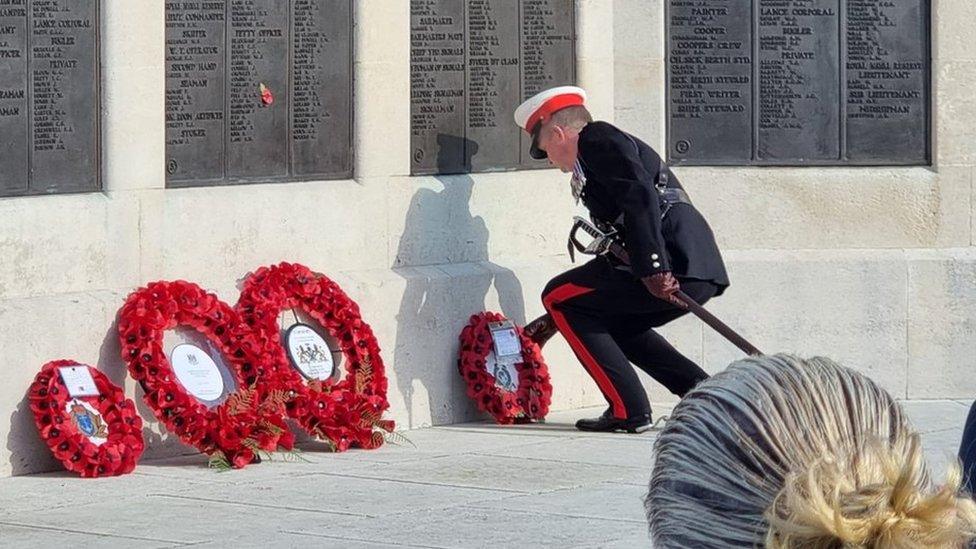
{"x": 542, "y": 105}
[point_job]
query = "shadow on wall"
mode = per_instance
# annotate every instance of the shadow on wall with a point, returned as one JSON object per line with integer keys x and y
{"x": 158, "y": 442}
{"x": 437, "y": 302}
{"x": 29, "y": 454}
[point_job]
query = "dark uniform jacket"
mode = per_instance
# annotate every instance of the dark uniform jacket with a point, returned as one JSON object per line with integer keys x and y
{"x": 621, "y": 172}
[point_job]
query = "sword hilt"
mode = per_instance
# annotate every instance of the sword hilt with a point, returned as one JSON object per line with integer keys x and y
{"x": 601, "y": 244}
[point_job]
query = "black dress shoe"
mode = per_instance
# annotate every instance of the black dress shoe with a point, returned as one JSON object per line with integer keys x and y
{"x": 609, "y": 424}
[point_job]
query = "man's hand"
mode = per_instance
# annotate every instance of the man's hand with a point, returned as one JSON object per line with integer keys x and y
{"x": 540, "y": 330}
{"x": 663, "y": 286}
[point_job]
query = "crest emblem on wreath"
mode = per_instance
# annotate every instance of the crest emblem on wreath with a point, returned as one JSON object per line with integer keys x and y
{"x": 504, "y": 377}
{"x": 87, "y": 421}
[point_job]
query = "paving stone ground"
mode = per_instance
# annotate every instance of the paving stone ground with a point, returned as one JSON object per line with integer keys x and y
{"x": 460, "y": 486}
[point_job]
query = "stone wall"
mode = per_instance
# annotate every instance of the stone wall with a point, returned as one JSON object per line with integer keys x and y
{"x": 871, "y": 266}
{"x": 420, "y": 254}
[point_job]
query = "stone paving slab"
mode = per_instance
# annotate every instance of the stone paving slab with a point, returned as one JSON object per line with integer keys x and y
{"x": 461, "y": 486}
{"x": 27, "y": 495}
{"x": 609, "y": 501}
{"x": 342, "y": 495}
{"x": 500, "y": 473}
{"x": 303, "y": 540}
{"x": 177, "y": 520}
{"x": 636, "y": 452}
{"x": 475, "y": 528}
{"x": 12, "y": 535}
{"x": 468, "y": 440}
{"x": 194, "y": 468}
{"x": 391, "y": 453}
{"x": 558, "y": 424}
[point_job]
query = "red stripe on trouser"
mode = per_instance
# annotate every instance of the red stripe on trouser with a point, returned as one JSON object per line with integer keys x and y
{"x": 564, "y": 293}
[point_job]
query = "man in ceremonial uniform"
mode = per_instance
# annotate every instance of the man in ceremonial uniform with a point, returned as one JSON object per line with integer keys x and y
{"x": 607, "y": 309}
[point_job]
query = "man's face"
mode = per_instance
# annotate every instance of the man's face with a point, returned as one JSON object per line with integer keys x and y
{"x": 560, "y": 145}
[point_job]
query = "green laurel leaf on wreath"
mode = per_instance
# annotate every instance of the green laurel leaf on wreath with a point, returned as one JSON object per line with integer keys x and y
{"x": 240, "y": 402}
{"x": 392, "y": 436}
{"x": 293, "y": 456}
{"x": 269, "y": 427}
{"x": 363, "y": 374}
{"x": 252, "y": 445}
{"x": 218, "y": 461}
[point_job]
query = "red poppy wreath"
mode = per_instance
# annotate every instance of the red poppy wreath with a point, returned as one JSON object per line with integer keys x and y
{"x": 233, "y": 431}
{"x": 95, "y": 432}
{"x": 344, "y": 410}
{"x": 510, "y": 383}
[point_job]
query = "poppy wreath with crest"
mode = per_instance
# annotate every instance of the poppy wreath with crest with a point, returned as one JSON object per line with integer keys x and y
{"x": 529, "y": 401}
{"x": 67, "y": 424}
{"x": 346, "y": 412}
{"x": 250, "y": 420}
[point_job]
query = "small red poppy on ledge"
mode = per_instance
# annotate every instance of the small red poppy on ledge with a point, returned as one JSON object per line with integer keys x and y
{"x": 267, "y": 98}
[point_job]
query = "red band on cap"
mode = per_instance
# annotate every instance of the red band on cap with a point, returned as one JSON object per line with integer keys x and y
{"x": 552, "y": 105}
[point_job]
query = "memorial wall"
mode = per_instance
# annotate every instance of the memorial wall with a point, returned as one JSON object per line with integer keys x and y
{"x": 49, "y": 96}
{"x": 163, "y": 107}
{"x": 258, "y": 90}
{"x": 830, "y": 145}
{"x": 798, "y": 82}
{"x": 471, "y": 64}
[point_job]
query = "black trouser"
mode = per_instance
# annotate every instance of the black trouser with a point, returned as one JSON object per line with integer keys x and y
{"x": 967, "y": 452}
{"x": 607, "y": 316}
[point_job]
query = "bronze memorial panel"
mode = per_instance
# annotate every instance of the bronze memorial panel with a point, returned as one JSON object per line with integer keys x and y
{"x": 471, "y": 63}
{"x": 49, "y": 96}
{"x": 798, "y": 82}
{"x": 258, "y": 90}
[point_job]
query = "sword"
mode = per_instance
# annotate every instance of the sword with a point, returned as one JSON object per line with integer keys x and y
{"x": 604, "y": 243}
{"x": 600, "y": 244}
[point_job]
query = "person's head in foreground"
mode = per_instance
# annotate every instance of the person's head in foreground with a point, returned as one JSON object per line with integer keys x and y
{"x": 792, "y": 453}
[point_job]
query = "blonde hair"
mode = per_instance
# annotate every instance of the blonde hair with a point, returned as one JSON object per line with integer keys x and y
{"x": 795, "y": 453}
